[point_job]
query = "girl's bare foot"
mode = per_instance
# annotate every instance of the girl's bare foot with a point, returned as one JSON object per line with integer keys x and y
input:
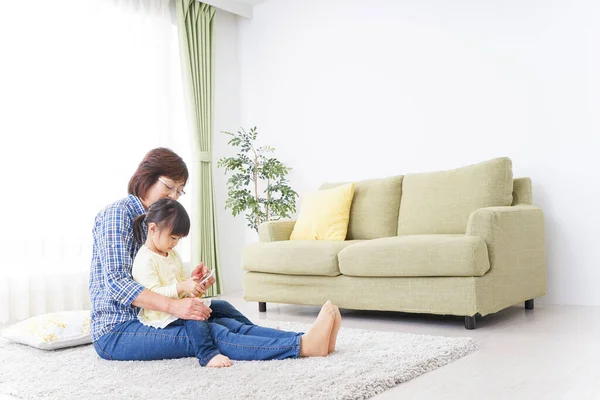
{"x": 337, "y": 323}
{"x": 315, "y": 342}
{"x": 219, "y": 361}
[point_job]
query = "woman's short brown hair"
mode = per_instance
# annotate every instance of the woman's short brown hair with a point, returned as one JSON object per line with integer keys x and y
{"x": 157, "y": 162}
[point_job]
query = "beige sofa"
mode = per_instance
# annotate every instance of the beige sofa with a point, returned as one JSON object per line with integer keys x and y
{"x": 461, "y": 242}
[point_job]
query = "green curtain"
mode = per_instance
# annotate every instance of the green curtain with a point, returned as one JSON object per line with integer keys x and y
{"x": 195, "y": 22}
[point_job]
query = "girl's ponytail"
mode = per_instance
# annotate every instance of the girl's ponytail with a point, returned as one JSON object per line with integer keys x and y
{"x": 138, "y": 228}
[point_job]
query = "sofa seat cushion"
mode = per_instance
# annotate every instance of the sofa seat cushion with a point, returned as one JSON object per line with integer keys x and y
{"x": 416, "y": 255}
{"x": 295, "y": 257}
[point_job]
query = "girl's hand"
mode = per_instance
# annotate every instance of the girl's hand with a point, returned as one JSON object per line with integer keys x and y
{"x": 200, "y": 271}
{"x": 191, "y": 287}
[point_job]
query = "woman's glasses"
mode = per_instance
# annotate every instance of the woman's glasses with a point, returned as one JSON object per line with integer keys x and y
{"x": 180, "y": 192}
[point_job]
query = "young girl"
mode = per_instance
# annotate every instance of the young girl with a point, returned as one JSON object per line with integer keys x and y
{"x": 218, "y": 340}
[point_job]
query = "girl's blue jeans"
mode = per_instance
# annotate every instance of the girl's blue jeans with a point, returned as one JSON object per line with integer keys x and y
{"x": 227, "y": 332}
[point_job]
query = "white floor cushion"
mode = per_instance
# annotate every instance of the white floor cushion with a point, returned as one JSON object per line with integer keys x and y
{"x": 52, "y": 331}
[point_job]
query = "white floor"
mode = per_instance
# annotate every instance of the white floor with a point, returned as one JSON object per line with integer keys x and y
{"x": 551, "y": 352}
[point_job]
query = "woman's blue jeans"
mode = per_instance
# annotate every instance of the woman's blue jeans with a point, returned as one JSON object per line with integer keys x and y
{"x": 227, "y": 332}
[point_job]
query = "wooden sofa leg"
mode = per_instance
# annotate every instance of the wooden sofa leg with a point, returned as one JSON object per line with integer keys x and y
{"x": 529, "y": 304}
{"x": 262, "y": 306}
{"x": 470, "y": 322}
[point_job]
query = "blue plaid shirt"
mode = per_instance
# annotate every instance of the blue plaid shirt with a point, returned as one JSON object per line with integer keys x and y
{"x": 112, "y": 288}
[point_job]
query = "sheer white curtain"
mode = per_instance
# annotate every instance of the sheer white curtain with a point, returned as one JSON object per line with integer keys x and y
{"x": 87, "y": 87}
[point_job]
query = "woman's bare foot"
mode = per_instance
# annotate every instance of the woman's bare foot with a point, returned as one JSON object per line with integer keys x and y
{"x": 337, "y": 323}
{"x": 219, "y": 361}
{"x": 315, "y": 342}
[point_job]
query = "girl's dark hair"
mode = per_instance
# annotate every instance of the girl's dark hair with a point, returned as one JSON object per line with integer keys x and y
{"x": 166, "y": 213}
{"x": 157, "y": 162}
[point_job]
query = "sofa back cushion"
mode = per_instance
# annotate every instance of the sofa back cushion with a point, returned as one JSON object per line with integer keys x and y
{"x": 522, "y": 191}
{"x": 441, "y": 202}
{"x": 375, "y": 207}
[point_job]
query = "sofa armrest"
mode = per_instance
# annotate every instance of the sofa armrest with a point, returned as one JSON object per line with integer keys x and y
{"x": 274, "y": 231}
{"x": 516, "y": 246}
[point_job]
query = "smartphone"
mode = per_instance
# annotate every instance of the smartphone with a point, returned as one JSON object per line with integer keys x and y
{"x": 207, "y": 277}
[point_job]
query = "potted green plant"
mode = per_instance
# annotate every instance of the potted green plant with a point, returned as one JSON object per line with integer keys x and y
{"x": 258, "y": 182}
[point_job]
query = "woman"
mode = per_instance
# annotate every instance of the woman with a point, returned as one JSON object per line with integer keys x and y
{"x": 116, "y": 298}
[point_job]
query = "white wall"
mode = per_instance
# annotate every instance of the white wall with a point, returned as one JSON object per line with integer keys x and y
{"x": 353, "y": 89}
{"x": 227, "y": 117}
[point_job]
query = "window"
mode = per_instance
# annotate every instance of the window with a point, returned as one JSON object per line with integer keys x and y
{"x": 88, "y": 87}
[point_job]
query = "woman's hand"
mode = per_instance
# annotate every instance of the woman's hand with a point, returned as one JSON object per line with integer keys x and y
{"x": 192, "y": 308}
{"x": 191, "y": 287}
{"x": 200, "y": 271}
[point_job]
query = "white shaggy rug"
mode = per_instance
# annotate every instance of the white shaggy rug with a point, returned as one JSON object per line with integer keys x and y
{"x": 365, "y": 363}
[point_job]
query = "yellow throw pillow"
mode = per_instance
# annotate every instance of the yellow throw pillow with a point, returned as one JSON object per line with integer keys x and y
{"x": 324, "y": 215}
